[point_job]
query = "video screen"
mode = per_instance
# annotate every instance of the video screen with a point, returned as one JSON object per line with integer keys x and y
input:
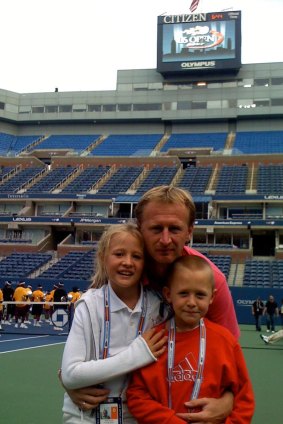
{"x": 209, "y": 41}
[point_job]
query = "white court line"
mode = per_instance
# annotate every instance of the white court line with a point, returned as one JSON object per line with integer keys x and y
{"x": 33, "y": 347}
{"x": 21, "y": 338}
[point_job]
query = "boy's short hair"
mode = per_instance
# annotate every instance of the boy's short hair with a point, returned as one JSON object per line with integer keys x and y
{"x": 192, "y": 263}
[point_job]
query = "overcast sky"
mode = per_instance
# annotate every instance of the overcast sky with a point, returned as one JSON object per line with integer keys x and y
{"x": 78, "y": 45}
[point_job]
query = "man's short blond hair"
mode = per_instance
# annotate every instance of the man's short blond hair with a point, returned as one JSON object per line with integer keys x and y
{"x": 167, "y": 194}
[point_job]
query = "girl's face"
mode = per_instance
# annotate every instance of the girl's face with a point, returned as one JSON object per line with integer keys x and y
{"x": 124, "y": 262}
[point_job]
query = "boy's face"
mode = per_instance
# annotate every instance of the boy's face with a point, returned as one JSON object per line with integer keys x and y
{"x": 190, "y": 294}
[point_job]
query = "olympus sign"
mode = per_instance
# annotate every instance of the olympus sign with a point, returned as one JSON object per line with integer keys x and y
{"x": 205, "y": 64}
{"x": 245, "y": 302}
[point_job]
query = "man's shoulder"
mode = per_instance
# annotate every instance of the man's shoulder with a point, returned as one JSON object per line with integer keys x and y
{"x": 219, "y": 332}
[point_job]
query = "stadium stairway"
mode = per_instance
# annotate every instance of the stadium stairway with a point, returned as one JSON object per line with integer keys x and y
{"x": 236, "y": 275}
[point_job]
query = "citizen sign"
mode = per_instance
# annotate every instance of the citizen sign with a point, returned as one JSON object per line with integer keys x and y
{"x": 177, "y": 19}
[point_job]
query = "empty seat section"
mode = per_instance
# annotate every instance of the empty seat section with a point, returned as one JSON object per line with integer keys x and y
{"x": 19, "y": 180}
{"x": 160, "y": 175}
{"x": 74, "y": 265}
{"x": 75, "y": 142}
{"x": 260, "y": 273}
{"x": 270, "y": 179}
{"x": 21, "y": 265}
{"x": 51, "y": 180}
{"x": 121, "y": 180}
{"x": 182, "y": 141}
{"x": 127, "y": 145}
{"x": 86, "y": 180}
{"x": 195, "y": 179}
{"x": 223, "y": 262}
{"x": 250, "y": 142}
{"x": 11, "y": 144}
{"x": 232, "y": 180}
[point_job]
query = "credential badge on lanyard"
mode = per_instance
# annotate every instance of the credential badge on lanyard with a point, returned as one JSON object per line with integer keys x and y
{"x": 111, "y": 410}
{"x": 171, "y": 357}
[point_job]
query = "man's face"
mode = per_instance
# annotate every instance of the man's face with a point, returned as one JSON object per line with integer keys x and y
{"x": 165, "y": 230}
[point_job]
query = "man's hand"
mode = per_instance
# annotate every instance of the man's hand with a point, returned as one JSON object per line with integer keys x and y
{"x": 212, "y": 411}
{"x": 156, "y": 341}
{"x": 88, "y": 398}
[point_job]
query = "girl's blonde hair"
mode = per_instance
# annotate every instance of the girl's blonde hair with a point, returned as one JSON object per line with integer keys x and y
{"x": 100, "y": 276}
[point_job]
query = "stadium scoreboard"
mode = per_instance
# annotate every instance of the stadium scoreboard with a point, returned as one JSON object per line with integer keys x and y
{"x": 199, "y": 42}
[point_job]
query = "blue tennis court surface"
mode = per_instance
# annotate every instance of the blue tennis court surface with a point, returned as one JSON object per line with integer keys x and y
{"x": 17, "y": 342}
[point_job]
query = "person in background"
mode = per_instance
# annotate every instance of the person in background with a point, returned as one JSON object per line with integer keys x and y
{"x": 28, "y": 305}
{"x": 1, "y": 309}
{"x": 20, "y": 295}
{"x": 37, "y": 309}
{"x": 60, "y": 295}
{"x": 47, "y": 309}
{"x": 273, "y": 338}
{"x": 165, "y": 216}
{"x": 270, "y": 311}
{"x": 74, "y": 295}
{"x": 190, "y": 368}
{"x": 257, "y": 311}
{"x": 8, "y": 292}
{"x": 107, "y": 339}
{"x": 281, "y": 312}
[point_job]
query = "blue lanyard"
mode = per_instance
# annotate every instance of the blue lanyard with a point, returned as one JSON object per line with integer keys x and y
{"x": 107, "y": 319}
{"x": 171, "y": 357}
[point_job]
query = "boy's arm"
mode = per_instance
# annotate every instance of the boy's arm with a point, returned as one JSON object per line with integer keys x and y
{"x": 216, "y": 410}
{"x": 244, "y": 402}
{"x": 144, "y": 408}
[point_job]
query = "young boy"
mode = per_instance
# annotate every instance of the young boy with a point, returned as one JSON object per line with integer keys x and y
{"x": 203, "y": 358}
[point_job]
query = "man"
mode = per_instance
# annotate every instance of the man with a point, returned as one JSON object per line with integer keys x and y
{"x": 271, "y": 310}
{"x": 20, "y": 295}
{"x": 257, "y": 311}
{"x": 166, "y": 216}
{"x": 74, "y": 295}
{"x": 60, "y": 295}
{"x": 37, "y": 309}
{"x": 8, "y": 293}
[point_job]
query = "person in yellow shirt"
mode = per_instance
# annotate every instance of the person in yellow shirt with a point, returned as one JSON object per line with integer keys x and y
{"x": 37, "y": 296}
{"x": 74, "y": 295}
{"x": 55, "y": 287}
{"x": 20, "y": 295}
{"x": 47, "y": 309}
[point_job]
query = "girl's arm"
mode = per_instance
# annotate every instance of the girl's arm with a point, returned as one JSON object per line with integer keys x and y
{"x": 79, "y": 372}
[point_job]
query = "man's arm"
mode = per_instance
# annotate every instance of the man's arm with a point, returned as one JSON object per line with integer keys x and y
{"x": 86, "y": 398}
